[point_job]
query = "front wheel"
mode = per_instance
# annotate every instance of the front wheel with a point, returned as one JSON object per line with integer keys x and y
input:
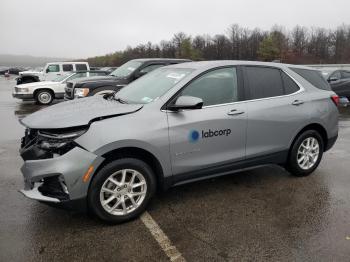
{"x": 306, "y": 153}
{"x": 44, "y": 97}
{"x": 121, "y": 190}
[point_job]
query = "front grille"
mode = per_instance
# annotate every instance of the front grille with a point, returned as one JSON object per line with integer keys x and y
{"x": 69, "y": 90}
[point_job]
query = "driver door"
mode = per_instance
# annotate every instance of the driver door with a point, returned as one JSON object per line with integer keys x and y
{"x": 214, "y": 135}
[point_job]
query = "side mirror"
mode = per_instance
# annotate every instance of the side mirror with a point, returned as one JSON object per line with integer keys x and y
{"x": 332, "y": 79}
{"x": 186, "y": 102}
{"x": 47, "y": 70}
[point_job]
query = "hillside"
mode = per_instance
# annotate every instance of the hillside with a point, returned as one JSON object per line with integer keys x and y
{"x": 26, "y": 60}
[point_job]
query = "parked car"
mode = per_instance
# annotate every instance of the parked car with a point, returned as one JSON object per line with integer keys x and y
{"x": 51, "y": 71}
{"x": 46, "y": 91}
{"x": 119, "y": 78}
{"x": 11, "y": 70}
{"x": 3, "y": 69}
{"x": 339, "y": 81}
{"x": 178, "y": 124}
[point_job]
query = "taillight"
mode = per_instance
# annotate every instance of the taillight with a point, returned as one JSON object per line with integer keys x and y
{"x": 335, "y": 99}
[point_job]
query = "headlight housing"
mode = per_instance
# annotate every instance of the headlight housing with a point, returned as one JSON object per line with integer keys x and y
{"x": 22, "y": 90}
{"x": 58, "y": 143}
{"x": 81, "y": 92}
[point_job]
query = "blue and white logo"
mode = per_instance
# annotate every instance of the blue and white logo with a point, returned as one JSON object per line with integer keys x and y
{"x": 193, "y": 136}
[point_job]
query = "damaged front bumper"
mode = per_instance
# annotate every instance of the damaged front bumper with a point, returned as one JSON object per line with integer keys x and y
{"x": 60, "y": 179}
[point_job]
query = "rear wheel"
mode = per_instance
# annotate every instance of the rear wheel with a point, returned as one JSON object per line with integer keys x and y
{"x": 306, "y": 153}
{"x": 121, "y": 190}
{"x": 44, "y": 97}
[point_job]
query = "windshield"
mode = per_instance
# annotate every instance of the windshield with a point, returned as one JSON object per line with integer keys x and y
{"x": 126, "y": 69}
{"x": 152, "y": 86}
{"x": 61, "y": 78}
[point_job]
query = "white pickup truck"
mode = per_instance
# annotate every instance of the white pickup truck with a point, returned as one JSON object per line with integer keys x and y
{"x": 51, "y": 71}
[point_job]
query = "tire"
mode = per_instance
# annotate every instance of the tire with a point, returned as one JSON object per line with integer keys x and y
{"x": 44, "y": 97}
{"x": 306, "y": 155}
{"x": 102, "y": 91}
{"x": 102, "y": 189}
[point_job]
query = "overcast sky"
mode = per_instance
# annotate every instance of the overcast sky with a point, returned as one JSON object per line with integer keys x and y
{"x": 83, "y": 28}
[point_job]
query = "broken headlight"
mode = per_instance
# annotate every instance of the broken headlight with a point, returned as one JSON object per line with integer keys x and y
{"x": 58, "y": 143}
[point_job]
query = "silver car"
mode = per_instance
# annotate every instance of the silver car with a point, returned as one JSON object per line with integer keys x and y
{"x": 178, "y": 124}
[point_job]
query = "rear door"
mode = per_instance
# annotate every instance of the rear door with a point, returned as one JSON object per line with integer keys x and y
{"x": 214, "y": 135}
{"x": 276, "y": 110}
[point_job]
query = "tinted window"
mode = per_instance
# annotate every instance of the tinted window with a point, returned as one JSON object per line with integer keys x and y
{"x": 53, "y": 68}
{"x": 290, "y": 86}
{"x": 67, "y": 67}
{"x": 264, "y": 82}
{"x": 313, "y": 77}
{"x": 345, "y": 74}
{"x": 80, "y": 67}
{"x": 215, "y": 87}
{"x": 150, "y": 68}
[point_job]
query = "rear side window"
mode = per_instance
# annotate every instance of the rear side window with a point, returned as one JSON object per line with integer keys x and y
{"x": 290, "y": 86}
{"x": 313, "y": 77}
{"x": 80, "y": 67}
{"x": 264, "y": 82}
{"x": 67, "y": 67}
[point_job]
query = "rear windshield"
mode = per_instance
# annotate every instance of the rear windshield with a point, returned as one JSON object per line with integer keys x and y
{"x": 313, "y": 77}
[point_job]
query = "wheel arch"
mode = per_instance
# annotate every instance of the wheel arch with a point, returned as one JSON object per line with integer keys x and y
{"x": 96, "y": 90}
{"x": 314, "y": 126}
{"x": 43, "y": 88}
{"x": 138, "y": 153}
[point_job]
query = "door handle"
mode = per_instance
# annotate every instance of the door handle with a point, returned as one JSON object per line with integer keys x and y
{"x": 297, "y": 102}
{"x": 235, "y": 112}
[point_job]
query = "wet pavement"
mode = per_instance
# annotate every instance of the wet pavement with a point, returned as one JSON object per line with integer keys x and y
{"x": 259, "y": 215}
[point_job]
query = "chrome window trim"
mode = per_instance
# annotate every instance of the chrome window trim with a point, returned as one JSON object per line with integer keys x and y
{"x": 301, "y": 89}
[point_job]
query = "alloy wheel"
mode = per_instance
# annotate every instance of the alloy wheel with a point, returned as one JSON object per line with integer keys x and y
{"x": 308, "y": 153}
{"x": 123, "y": 192}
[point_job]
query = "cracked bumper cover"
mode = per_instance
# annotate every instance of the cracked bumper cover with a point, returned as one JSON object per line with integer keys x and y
{"x": 70, "y": 167}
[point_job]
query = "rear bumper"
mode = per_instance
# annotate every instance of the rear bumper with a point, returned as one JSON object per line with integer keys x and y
{"x": 59, "y": 180}
{"x": 330, "y": 143}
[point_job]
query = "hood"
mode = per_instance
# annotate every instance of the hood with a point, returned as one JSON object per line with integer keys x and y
{"x": 41, "y": 83}
{"x": 30, "y": 73}
{"x": 78, "y": 112}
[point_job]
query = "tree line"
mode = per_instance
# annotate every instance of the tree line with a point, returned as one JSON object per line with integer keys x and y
{"x": 301, "y": 45}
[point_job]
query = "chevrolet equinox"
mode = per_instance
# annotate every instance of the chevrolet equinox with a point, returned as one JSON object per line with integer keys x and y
{"x": 177, "y": 124}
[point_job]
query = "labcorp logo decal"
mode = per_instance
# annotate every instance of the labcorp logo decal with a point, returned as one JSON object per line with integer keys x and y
{"x": 194, "y": 135}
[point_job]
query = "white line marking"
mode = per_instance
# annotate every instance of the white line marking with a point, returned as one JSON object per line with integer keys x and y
{"x": 163, "y": 241}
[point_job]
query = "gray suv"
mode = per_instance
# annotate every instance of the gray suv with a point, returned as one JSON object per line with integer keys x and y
{"x": 177, "y": 124}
